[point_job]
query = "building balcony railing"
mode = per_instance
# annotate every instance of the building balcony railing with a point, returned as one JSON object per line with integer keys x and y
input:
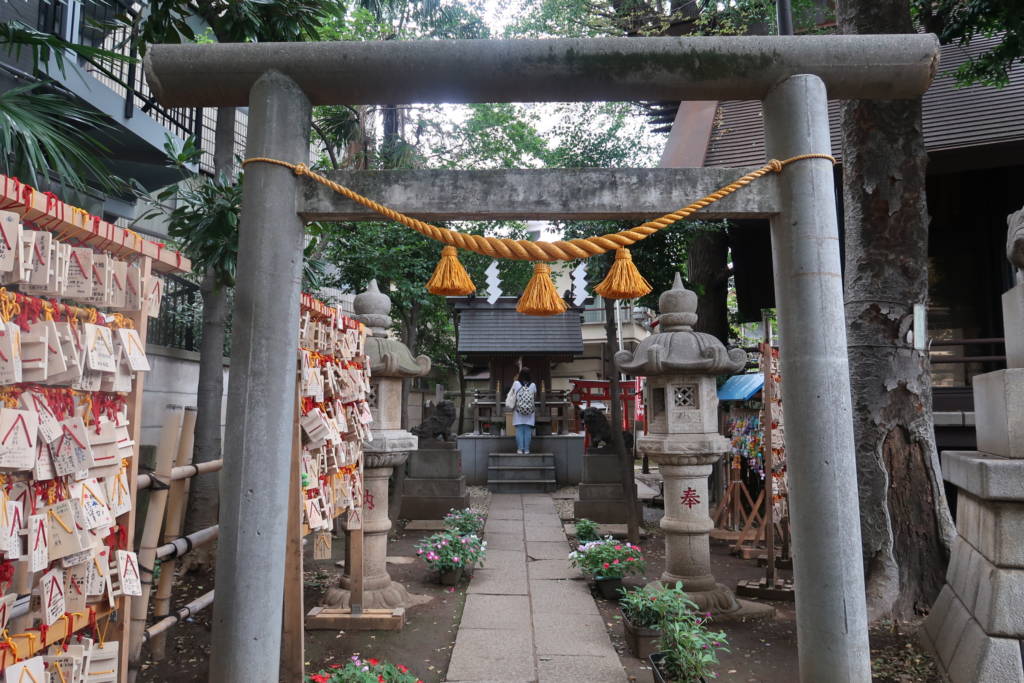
{"x": 95, "y": 24}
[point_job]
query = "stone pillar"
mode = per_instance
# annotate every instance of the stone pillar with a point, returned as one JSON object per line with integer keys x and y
{"x": 390, "y": 362}
{"x": 261, "y": 392}
{"x": 683, "y": 439}
{"x": 976, "y": 627}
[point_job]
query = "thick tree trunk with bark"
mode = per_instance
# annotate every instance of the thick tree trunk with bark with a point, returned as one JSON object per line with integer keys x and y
{"x": 618, "y": 443}
{"x": 204, "y": 491}
{"x": 707, "y": 271}
{"x": 905, "y": 522}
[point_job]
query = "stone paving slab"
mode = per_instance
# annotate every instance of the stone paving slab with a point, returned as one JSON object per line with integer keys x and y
{"x": 511, "y": 513}
{"x": 530, "y": 620}
{"x": 502, "y": 501}
{"x": 536, "y": 519}
{"x": 562, "y": 669}
{"x": 548, "y": 550}
{"x": 504, "y": 526}
{"x": 504, "y": 541}
{"x": 502, "y": 559}
{"x": 496, "y": 612}
{"x": 545, "y": 533}
{"x": 565, "y": 597}
{"x": 571, "y": 634}
{"x": 552, "y": 569}
{"x": 479, "y": 654}
{"x": 498, "y": 582}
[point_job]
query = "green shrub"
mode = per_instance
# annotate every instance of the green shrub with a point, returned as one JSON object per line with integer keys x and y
{"x": 367, "y": 670}
{"x": 586, "y": 530}
{"x": 448, "y": 551}
{"x": 465, "y": 521}
{"x": 650, "y": 608}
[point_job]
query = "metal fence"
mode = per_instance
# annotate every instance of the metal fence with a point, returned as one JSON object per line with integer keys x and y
{"x": 180, "y": 323}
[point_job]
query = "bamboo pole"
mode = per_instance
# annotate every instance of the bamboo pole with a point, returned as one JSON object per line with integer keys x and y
{"x": 185, "y": 544}
{"x": 172, "y": 529}
{"x": 122, "y": 630}
{"x": 186, "y": 472}
{"x": 200, "y": 603}
{"x": 165, "y": 453}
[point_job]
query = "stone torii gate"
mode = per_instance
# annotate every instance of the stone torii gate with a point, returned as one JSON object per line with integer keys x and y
{"x": 793, "y": 76}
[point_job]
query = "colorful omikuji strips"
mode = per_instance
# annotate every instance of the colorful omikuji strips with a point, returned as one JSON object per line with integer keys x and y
{"x": 334, "y": 389}
{"x": 66, "y": 447}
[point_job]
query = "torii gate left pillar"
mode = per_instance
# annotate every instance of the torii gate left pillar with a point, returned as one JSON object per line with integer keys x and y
{"x": 254, "y": 501}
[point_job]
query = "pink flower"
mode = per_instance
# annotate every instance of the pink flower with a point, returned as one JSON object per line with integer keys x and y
{"x": 319, "y": 678}
{"x": 615, "y": 561}
{"x": 373, "y": 662}
{"x": 618, "y": 547}
{"x": 606, "y": 565}
{"x": 629, "y": 559}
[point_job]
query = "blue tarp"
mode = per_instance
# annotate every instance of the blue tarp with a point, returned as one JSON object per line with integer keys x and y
{"x": 741, "y": 387}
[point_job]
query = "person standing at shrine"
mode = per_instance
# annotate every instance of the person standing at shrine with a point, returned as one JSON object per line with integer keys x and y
{"x": 524, "y": 417}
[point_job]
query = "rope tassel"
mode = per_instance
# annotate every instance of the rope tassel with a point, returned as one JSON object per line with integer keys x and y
{"x": 450, "y": 277}
{"x": 623, "y": 280}
{"x": 540, "y": 296}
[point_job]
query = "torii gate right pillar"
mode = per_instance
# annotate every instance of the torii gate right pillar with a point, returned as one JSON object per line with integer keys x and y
{"x": 822, "y": 474}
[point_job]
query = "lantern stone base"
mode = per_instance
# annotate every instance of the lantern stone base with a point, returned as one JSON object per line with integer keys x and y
{"x": 388, "y": 596}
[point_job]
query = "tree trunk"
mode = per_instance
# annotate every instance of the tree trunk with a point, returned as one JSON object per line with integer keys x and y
{"x": 203, "y": 500}
{"x": 707, "y": 270}
{"x": 618, "y": 443}
{"x": 905, "y": 522}
{"x": 204, "y": 491}
{"x": 411, "y": 334}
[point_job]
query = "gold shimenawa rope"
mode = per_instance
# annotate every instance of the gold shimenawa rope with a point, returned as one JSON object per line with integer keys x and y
{"x": 524, "y": 250}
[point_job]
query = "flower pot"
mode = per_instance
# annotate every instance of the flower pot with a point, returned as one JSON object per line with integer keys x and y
{"x": 641, "y": 641}
{"x": 655, "y": 659}
{"x": 452, "y": 577}
{"x": 609, "y": 587}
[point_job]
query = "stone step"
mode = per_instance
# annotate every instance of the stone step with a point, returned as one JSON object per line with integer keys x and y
{"x": 522, "y": 486}
{"x": 528, "y": 460}
{"x": 510, "y": 472}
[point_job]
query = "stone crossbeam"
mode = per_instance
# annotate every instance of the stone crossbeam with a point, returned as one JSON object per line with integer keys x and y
{"x": 634, "y": 194}
{"x": 552, "y": 70}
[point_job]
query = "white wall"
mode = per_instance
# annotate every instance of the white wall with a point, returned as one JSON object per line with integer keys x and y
{"x": 173, "y": 379}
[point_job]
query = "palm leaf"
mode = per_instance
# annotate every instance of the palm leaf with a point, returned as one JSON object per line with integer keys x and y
{"x": 43, "y": 133}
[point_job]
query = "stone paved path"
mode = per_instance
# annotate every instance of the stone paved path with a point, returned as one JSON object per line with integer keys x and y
{"x": 526, "y": 618}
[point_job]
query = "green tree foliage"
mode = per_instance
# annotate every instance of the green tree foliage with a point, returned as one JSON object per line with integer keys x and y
{"x": 232, "y": 21}
{"x": 960, "y": 21}
{"x": 45, "y": 133}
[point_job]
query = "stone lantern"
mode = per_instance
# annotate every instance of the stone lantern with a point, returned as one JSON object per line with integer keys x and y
{"x": 390, "y": 363}
{"x": 682, "y": 411}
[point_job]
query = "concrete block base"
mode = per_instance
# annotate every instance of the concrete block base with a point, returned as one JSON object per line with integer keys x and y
{"x": 964, "y": 652}
{"x": 999, "y": 412}
{"x": 416, "y": 507}
{"x": 611, "y": 511}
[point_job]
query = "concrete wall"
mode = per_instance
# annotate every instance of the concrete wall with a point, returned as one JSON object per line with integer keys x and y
{"x": 172, "y": 380}
{"x": 567, "y": 449}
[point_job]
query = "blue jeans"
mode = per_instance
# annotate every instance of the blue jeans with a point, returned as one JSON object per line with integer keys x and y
{"x": 523, "y": 435}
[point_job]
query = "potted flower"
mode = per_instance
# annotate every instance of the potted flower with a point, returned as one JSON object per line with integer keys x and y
{"x": 688, "y": 650}
{"x": 451, "y": 555}
{"x": 465, "y": 521}
{"x": 644, "y": 611}
{"x": 608, "y": 560}
{"x": 367, "y": 670}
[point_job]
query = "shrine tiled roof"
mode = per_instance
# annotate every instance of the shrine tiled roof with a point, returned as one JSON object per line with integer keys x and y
{"x": 954, "y": 118}
{"x": 498, "y": 328}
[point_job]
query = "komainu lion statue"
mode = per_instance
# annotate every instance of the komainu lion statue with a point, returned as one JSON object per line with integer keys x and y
{"x": 1015, "y": 241}
{"x": 600, "y": 430}
{"x": 439, "y": 424}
